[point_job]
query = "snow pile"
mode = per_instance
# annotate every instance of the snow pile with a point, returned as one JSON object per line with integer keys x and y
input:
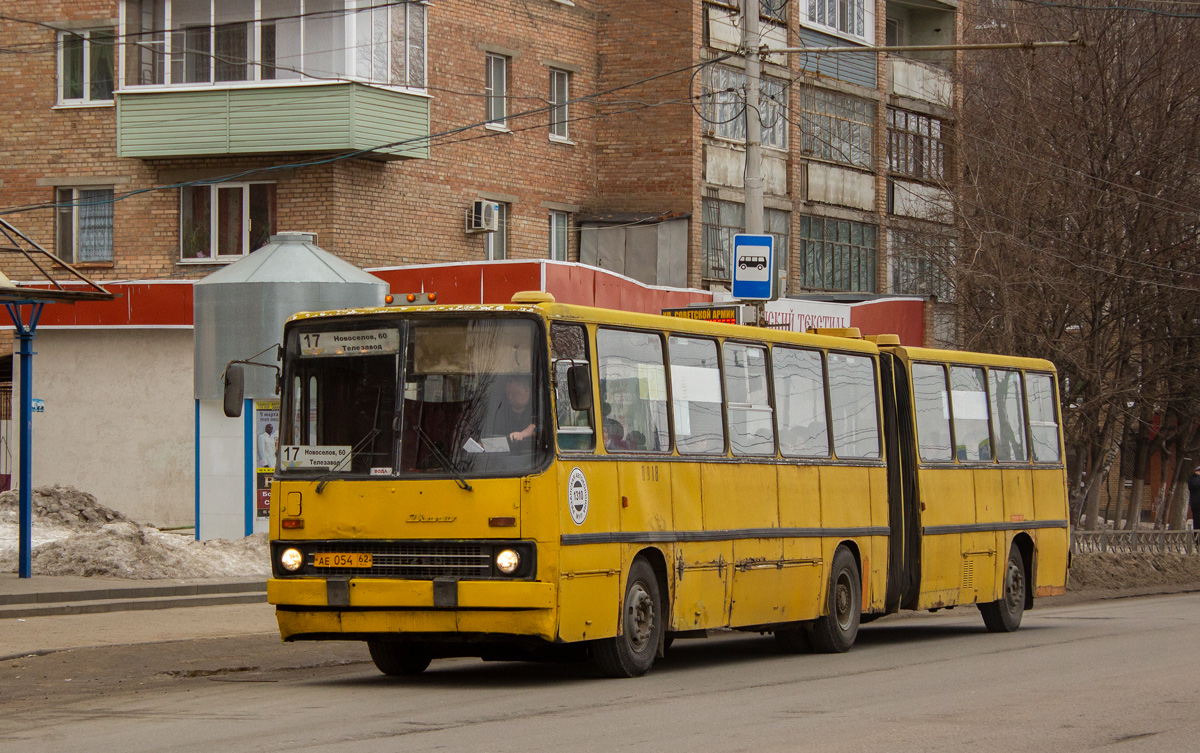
{"x": 73, "y": 534}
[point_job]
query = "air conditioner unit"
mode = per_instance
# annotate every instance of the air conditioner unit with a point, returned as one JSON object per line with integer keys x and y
{"x": 483, "y": 217}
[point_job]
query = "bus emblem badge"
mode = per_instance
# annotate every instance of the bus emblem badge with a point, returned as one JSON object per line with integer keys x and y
{"x": 577, "y": 496}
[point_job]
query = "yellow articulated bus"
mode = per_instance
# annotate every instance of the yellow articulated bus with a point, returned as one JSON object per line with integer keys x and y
{"x": 538, "y": 479}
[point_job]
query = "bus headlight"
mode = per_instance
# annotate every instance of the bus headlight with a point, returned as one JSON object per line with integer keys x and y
{"x": 507, "y": 561}
{"x": 291, "y": 559}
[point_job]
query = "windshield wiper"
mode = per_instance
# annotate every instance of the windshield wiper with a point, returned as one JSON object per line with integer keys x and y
{"x": 329, "y": 475}
{"x": 440, "y": 456}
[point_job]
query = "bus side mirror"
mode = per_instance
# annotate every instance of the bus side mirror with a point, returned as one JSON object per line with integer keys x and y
{"x": 579, "y": 386}
{"x": 235, "y": 381}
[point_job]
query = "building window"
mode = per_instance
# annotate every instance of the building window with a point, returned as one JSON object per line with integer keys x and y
{"x": 919, "y": 262}
{"x": 84, "y": 220}
{"x": 225, "y": 220}
{"x": 768, "y": 10}
{"x": 852, "y": 17}
{"x": 86, "y": 66}
{"x": 496, "y": 89}
{"x": 837, "y": 128}
{"x": 216, "y": 41}
{"x": 723, "y": 105}
{"x": 837, "y": 254}
{"x": 559, "y": 95}
{"x": 915, "y": 147}
{"x": 496, "y": 244}
{"x": 559, "y": 221}
{"x": 725, "y": 219}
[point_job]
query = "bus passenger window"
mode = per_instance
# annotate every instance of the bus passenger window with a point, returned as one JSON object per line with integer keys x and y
{"x": 751, "y": 431}
{"x": 968, "y": 405}
{"x": 800, "y": 402}
{"x": 931, "y": 404}
{"x": 1008, "y": 415}
{"x": 569, "y": 347}
{"x": 854, "y": 405}
{"x": 696, "y": 396}
{"x": 633, "y": 391}
{"x": 1043, "y": 427}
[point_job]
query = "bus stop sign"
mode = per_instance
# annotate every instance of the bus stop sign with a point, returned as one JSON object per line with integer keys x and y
{"x": 753, "y": 265}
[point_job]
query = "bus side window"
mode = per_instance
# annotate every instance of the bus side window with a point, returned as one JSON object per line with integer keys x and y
{"x": 1008, "y": 415}
{"x": 569, "y": 347}
{"x": 751, "y": 430}
{"x": 696, "y": 395}
{"x": 633, "y": 391}
{"x": 969, "y": 407}
{"x": 800, "y": 402}
{"x": 931, "y": 403}
{"x": 1043, "y": 426}
{"x": 854, "y": 405}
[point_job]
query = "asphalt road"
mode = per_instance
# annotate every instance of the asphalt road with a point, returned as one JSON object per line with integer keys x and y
{"x": 1120, "y": 675}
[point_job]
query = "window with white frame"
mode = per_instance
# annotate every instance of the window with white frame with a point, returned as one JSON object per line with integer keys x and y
{"x": 559, "y": 222}
{"x": 496, "y": 89}
{"x": 225, "y": 220}
{"x": 559, "y": 95}
{"x": 86, "y": 66}
{"x": 190, "y": 42}
{"x": 84, "y": 225}
{"x": 837, "y": 127}
{"x": 723, "y": 106}
{"x": 495, "y": 245}
{"x": 853, "y": 17}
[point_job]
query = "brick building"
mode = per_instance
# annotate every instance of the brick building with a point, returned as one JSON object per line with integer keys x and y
{"x": 155, "y": 140}
{"x": 561, "y": 112}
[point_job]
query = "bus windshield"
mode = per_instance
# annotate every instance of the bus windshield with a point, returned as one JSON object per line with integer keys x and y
{"x": 446, "y": 396}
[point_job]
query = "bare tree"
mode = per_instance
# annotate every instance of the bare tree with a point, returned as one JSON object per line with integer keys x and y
{"x": 1079, "y": 216}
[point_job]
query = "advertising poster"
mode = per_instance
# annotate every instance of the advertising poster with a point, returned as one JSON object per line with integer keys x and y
{"x": 266, "y": 440}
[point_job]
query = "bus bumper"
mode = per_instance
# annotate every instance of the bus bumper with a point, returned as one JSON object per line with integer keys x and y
{"x": 363, "y": 607}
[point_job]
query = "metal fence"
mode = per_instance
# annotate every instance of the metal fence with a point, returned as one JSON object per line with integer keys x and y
{"x": 1131, "y": 542}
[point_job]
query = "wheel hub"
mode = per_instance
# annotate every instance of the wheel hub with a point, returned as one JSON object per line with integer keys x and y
{"x": 639, "y": 617}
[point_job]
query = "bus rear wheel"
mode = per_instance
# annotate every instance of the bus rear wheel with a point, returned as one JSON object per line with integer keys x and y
{"x": 834, "y": 633}
{"x": 399, "y": 659}
{"x": 632, "y": 653}
{"x": 1004, "y": 614}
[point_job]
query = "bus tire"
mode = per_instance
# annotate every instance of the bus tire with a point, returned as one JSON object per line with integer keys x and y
{"x": 834, "y": 633}
{"x": 632, "y": 653}
{"x": 1004, "y": 614}
{"x": 399, "y": 659}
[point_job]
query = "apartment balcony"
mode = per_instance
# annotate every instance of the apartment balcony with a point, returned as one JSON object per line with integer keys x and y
{"x": 921, "y": 81}
{"x": 341, "y": 116}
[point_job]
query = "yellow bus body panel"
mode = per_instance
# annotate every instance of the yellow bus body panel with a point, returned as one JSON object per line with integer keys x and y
{"x": 701, "y": 598}
{"x": 589, "y": 592}
{"x": 645, "y": 489}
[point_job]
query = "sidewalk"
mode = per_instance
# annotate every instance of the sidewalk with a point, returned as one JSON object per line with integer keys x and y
{"x": 52, "y": 613}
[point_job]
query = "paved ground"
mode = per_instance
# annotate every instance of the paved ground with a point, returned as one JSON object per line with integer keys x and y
{"x": 1120, "y": 674}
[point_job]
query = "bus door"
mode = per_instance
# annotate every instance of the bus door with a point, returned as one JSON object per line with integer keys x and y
{"x": 904, "y": 538}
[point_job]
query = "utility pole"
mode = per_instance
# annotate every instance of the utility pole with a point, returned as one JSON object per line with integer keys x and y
{"x": 754, "y": 182}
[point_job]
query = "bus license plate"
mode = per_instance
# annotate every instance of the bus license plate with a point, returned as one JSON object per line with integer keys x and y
{"x": 331, "y": 559}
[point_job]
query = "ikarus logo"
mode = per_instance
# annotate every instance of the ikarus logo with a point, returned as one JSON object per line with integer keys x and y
{"x": 577, "y": 496}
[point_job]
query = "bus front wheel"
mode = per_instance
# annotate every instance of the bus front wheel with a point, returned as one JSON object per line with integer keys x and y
{"x": 631, "y": 654}
{"x": 1004, "y": 614}
{"x": 399, "y": 659}
{"x": 834, "y": 633}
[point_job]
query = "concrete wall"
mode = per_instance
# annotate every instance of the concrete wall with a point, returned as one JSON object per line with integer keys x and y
{"x": 119, "y": 420}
